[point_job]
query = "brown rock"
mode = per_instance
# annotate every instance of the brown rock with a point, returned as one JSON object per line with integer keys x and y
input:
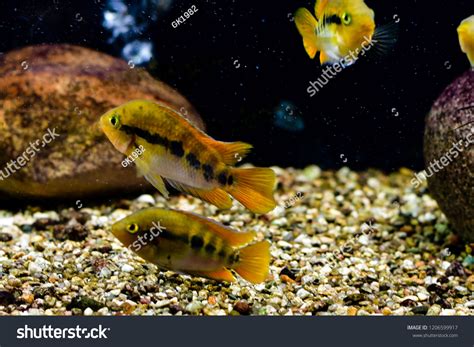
{"x": 67, "y": 88}
{"x": 451, "y": 120}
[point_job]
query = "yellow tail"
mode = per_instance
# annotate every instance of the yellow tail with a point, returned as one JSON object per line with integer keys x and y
{"x": 253, "y": 188}
{"x": 254, "y": 262}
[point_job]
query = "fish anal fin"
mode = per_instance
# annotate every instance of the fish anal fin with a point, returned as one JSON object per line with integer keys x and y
{"x": 219, "y": 275}
{"x": 232, "y": 237}
{"x": 306, "y": 25}
{"x": 215, "y": 196}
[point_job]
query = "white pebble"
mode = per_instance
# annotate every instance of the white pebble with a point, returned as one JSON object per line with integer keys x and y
{"x": 127, "y": 268}
{"x": 88, "y": 312}
{"x": 447, "y": 312}
{"x": 146, "y": 199}
{"x": 302, "y": 293}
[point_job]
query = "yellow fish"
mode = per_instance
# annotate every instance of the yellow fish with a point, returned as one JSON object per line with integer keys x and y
{"x": 466, "y": 37}
{"x": 191, "y": 244}
{"x": 341, "y": 30}
{"x": 177, "y": 152}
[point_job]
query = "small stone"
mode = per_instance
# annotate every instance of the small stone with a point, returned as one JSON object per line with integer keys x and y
{"x": 303, "y": 293}
{"x": 420, "y": 310}
{"x": 6, "y": 298}
{"x": 75, "y": 232}
{"x": 242, "y": 307}
{"x": 194, "y": 307}
{"x": 447, "y": 312}
{"x": 352, "y": 311}
{"x": 88, "y": 312}
{"x": 386, "y": 311}
{"x": 146, "y": 199}
{"x": 422, "y": 296}
{"x": 5, "y": 237}
{"x": 127, "y": 268}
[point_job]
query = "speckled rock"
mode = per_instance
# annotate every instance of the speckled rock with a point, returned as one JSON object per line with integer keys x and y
{"x": 67, "y": 88}
{"x": 449, "y": 121}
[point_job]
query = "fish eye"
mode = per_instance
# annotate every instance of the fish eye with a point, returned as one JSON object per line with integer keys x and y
{"x": 346, "y": 18}
{"x": 114, "y": 120}
{"x": 133, "y": 228}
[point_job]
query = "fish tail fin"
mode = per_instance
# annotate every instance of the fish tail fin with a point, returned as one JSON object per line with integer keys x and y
{"x": 253, "y": 188}
{"x": 254, "y": 262}
{"x": 385, "y": 37}
{"x": 306, "y": 25}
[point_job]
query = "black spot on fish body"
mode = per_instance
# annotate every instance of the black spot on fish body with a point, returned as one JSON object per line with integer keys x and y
{"x": 222, "y": 253}
{"x": 197, "y": 242}
{"x": 230, "y": 180}
{"x": 233, "y": 258}
{"x": 208, "y": 172}
{"x": 193, "y": 161}
{"x": 210, "y": 248}
{"x": 222, "y": 178}
{"x": 176, "y": 148}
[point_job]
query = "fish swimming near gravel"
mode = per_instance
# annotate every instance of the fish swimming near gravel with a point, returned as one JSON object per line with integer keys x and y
{"x": 466, "y": 37}
{"x": 339, "y": 29}
{"x": 186, "y": 158}
{"x": 194, "y": 245}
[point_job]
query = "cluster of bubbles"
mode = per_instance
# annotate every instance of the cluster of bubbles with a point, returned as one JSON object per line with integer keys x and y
{"x": 287, "y": 116}
{"x": 128, "y": 22}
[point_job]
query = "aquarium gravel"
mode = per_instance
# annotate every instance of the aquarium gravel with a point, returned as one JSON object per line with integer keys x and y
{"x": 342, "y": 243}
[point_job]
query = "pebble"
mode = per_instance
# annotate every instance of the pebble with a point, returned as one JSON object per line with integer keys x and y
{"x": 303, "y": 293}
{"x": 88, "y": 312}
{"x": 127, "y": 268}
{"x": 146, "y": 199}
{"x": 447, "y": 312}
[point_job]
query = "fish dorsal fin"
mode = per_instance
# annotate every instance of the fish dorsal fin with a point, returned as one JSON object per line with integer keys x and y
{"x": 229, "y": 152}
{"x": 232, "y": 237}
{"x": 306, "y": 25}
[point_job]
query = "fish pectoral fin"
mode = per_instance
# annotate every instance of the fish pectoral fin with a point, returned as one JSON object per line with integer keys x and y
{"x": 215, "y": 196}
{"x": 384, "y": 38}
{"x": 232, "y": 237}
{"x": 219, "y": 275}
{"x": 156, "y": 181}
{"x": 306, "y": 25}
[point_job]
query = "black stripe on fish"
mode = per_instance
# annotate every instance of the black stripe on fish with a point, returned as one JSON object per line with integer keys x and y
{"x": 208, "y": 172}
{"x": 172, "y": 236}
{"x": 193, "y": 161}
{"x": 333, "y": 19}
{"x": 153, "y": 139}
{"x": 230, "y": 180}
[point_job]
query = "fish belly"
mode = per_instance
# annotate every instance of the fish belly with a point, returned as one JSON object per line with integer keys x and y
{"x": 173, "y": 168}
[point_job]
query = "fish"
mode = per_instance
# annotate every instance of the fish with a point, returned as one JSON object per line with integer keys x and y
{"x": 185, "y": 157}
{"x": 191, "y": 244}
{"x": 466, "y": 38}
{"x": 341, "y": 29}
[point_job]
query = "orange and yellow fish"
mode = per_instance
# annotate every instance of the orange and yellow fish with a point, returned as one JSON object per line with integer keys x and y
{"x": 188, "y": 159}
{"x": 194, "y": 245}
{"x": 466, "y": 37}
{"x": 340, "y": 29}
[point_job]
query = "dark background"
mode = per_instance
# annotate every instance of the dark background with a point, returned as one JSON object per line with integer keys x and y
{"x": 370, "y": 115}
